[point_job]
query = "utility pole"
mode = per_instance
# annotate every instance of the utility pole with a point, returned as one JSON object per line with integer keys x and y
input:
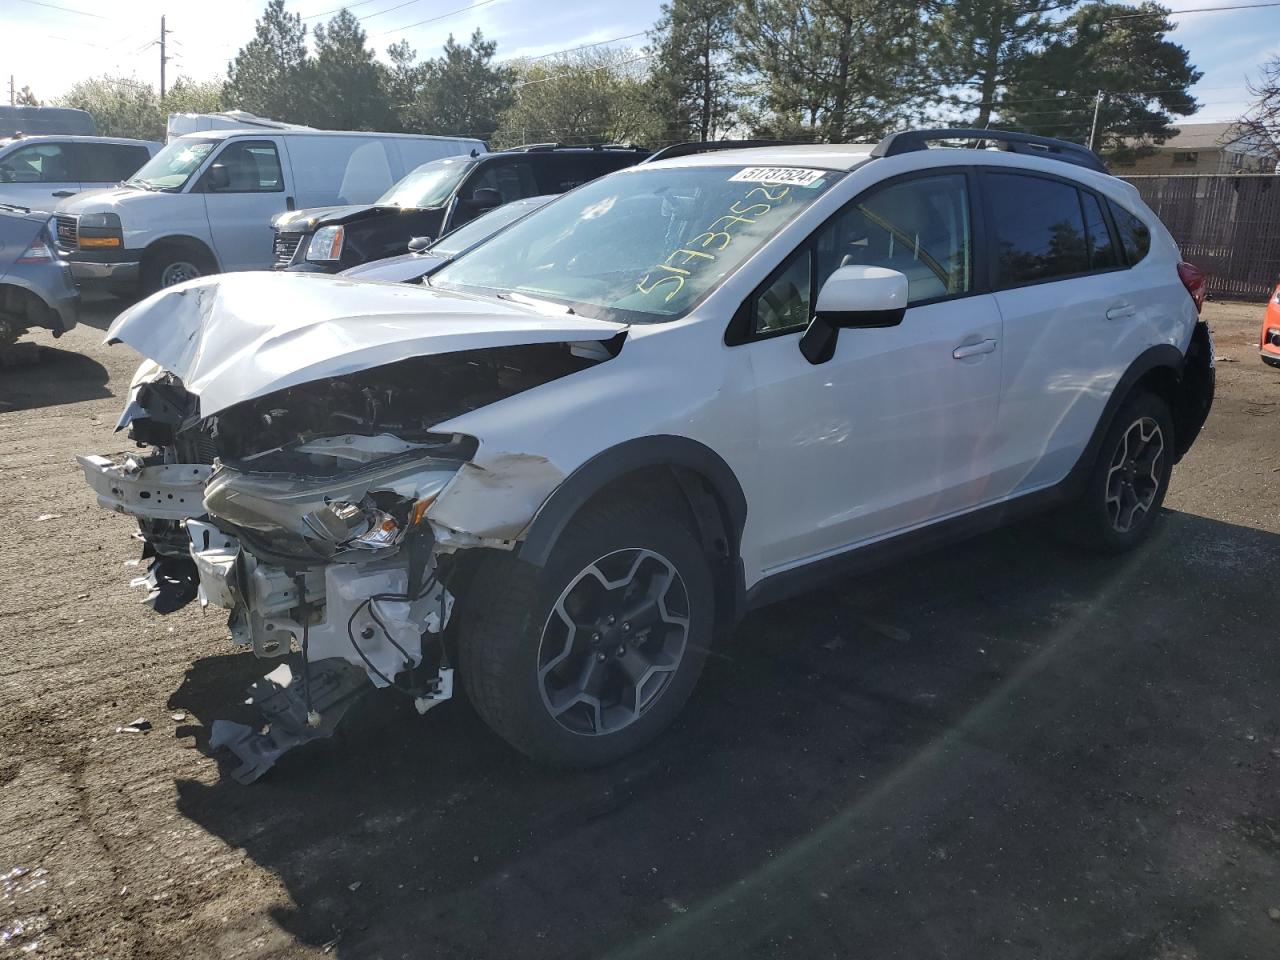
{"x": 13, "y": 99}
{"x": 163, "y": 58}
{"x": 1093, "y": 130}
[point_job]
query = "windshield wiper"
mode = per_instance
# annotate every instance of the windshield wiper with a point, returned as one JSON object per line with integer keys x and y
{"x": 534, "y": 302}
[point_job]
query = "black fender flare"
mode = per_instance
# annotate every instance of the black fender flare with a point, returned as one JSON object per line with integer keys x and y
{"x": 662, "y": 450}
{"x": 1162, "y": 355}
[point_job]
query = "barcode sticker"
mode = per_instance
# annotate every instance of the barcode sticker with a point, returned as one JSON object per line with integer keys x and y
{"x": 794, "y": 176}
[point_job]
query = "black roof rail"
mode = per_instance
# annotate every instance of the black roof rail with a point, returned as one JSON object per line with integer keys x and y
{"x": 909, "y": 141}
{"x": 547, "y": 147}
{"x": 690, "y": 147}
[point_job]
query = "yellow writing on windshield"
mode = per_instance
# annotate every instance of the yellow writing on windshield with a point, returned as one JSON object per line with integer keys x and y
{"x": 717, "y": 236}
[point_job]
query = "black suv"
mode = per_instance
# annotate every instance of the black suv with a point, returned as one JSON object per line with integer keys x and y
{"x": 434, "y": 199}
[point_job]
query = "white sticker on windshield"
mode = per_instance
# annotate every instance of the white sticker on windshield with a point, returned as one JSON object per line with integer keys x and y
{"x": 795, "y": 176}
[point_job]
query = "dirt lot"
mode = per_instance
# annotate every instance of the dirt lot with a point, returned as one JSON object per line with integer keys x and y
{"x": 1005, "y": 749}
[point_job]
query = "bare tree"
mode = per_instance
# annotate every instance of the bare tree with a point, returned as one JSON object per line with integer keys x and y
{"x": 1261, "y": 123}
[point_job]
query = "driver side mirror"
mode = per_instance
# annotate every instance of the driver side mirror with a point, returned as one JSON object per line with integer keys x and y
{"x": 484, "y": 198}
{"x": 217, "y": 178}
{"x": 853, "y": 296}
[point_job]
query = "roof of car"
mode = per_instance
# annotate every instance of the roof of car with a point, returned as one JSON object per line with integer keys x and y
{"x": 76, "y": 138}
{"x": 308, "y": 132}
{"x": 826, "y": 156}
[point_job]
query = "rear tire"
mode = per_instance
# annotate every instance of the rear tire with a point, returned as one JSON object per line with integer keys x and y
{"x": 587, "y": 659}
{"x": 1129, "y": 479}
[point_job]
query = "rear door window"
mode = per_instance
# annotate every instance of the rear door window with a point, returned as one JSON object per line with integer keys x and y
{"x": 1103, "y": 254}
{"x": 1038, "y": 229}
{"x": 1135, "y": 237}
{"x": 110, "y": 162}
{"x": 513, "y": 179}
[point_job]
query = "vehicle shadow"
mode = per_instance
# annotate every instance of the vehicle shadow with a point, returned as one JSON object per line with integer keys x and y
{"x": 99, "y": 311}
{"x": 1004, "y": 749}
{"x": 58, "y": 377}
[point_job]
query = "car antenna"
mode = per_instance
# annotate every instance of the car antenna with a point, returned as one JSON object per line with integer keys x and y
{"x": 475, "y": 152}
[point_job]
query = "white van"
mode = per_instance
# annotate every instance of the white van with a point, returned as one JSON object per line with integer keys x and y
{"x": 204, "y": 203}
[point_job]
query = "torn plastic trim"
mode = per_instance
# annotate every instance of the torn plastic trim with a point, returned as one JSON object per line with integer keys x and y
{"x": 155, "y": 491}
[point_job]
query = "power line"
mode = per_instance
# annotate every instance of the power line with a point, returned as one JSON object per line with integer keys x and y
{"x": 54, "y": 6}
{"x": 442, "y": 16}
{"x": 349, "y": 6}
{"x": 370, "y": 16}
{"x": 598, "y": 43}
{"x": 1174, "y": 13}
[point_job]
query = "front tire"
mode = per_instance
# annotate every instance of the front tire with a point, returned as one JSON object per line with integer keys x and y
{"x": 169, "y": 266}
{"x": 1129, "y": 479}
{"x": 591, "y": 657}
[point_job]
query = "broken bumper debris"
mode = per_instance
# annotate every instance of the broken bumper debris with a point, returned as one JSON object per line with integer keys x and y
{"x": 295, "y": 468}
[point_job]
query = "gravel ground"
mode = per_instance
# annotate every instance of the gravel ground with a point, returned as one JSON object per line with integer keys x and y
{"x": 1004, "y": 749}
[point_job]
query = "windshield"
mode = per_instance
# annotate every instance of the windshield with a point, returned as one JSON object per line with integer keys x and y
{"x": 642, "y": 245}
{"x": 173, "y": 166}
{"x": 483, "y": 227}
{"x": 429, "y": 185}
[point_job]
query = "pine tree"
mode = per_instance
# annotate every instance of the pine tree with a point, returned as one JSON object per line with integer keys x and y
{"x": 985, "y": 45}
{"x": 835, "y": 70}
{"x": 463, "y": 91}
{"x": 347, "y": 89}
{"x": 1121, "y": 51}
{"x": 693, "y": 76}
{"x": 268, "y": 75}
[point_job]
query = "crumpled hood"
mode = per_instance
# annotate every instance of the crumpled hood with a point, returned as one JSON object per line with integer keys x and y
{"x": 302, "y": 221}
{"x": 240, "y": 336}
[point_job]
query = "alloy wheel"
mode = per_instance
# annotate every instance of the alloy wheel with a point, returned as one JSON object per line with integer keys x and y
{"x": 613, "y": 641}
{"x": 1133, "y": 480}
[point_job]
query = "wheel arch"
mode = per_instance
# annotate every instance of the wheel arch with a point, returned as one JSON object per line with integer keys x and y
{"x": 658, "y": 468}
{"x": 1158, "y": 369}
{"x": 181, "y": 241}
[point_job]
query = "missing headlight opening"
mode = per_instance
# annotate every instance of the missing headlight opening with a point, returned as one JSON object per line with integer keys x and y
{"x": 306, "y": 514}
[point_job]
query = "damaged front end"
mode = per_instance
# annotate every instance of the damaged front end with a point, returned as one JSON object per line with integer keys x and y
{"x": 306, "y": 513}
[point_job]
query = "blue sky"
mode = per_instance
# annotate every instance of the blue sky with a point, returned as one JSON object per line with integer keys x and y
{"x": 50, "y": 48}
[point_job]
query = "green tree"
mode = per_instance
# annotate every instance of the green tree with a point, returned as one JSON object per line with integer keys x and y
{"x": 269, "y": 74}
{"x": 693, "y": 74}
{"x": 120, "y": 106}
{"x": 1122, "y": 51}
{"x": 834, "y": 70}
{"x": 463, "y": 91}
{"x": 347, "y": 91}
{"x": 982, "y": 46}
{"x": 401, "y": 82}
{"x": 586, "y": 97}
{"x": 189, "y": 96}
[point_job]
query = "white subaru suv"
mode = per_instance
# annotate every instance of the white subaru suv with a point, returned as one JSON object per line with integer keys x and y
{"x": 576, "y": 454}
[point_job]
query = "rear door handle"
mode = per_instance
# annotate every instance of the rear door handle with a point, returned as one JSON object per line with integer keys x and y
{"x": 1122, "y": 312}
{"x": 974, "y": 349}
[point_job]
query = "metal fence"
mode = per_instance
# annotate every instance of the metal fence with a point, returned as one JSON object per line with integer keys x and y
{"x": 1226, "y": 224}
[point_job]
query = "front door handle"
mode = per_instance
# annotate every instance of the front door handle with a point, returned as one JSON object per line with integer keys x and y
{"x": 974, "y": 349}
{"x": 1121, "y": 312}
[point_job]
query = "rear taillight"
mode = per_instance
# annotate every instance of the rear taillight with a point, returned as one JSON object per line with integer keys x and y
{"x": 1194, "y": 280}
{"x": 38, "y": 252}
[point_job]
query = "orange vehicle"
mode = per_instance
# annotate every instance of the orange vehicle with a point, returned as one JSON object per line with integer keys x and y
{"x": 1269, "y": 342}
